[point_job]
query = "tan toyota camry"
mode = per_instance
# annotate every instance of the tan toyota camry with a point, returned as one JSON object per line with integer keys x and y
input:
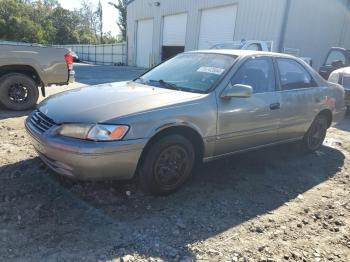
{"x": 197, "y": 106}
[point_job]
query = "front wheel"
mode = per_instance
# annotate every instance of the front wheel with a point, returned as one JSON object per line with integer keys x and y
{"x": 167, "y": 165}
{"x": 316, "y": 134}
{"x": 18, "y": 92}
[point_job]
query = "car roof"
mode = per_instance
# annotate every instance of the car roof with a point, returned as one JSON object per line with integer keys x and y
{"x": 241, "y": 53}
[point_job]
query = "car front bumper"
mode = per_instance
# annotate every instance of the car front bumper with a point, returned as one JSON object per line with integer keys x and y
{"x": 87, "y": 160}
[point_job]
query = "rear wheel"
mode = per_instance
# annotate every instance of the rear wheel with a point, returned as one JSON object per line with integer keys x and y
{"x": 18, "y": 92}
{"x": 167, "y": 165}
{"x": 316, "y": 134}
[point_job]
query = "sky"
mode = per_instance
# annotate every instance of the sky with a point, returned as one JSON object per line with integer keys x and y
{"x": 110, "y": 14}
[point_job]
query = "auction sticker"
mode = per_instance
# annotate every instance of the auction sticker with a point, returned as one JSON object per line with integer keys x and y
{"x": 211, "y": 70}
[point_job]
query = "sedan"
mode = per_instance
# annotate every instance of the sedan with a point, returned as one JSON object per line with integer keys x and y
{"x": 193, "y": 108}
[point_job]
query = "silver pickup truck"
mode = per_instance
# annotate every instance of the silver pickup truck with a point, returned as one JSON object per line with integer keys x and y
{"x": 24, "y": 69}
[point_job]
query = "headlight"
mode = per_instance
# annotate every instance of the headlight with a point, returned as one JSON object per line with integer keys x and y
{"x": 97, "y": 132}
{"x": 334, "y": 78}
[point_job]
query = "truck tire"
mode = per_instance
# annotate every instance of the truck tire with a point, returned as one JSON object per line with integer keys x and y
{"x": 167, "y": 165}
{"x": 18, "y": 92}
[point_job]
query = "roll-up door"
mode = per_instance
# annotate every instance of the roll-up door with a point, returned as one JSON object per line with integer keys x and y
{"x": 174, "y": 35}
{"x": 217, "y": 26}
{"x": 144, "y": 43}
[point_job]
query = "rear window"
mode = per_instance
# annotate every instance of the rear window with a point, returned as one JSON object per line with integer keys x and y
{"x": 335, "y": 56}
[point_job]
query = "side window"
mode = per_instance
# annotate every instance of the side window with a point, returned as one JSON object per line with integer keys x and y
{"x": 293, "y": 75}
{"x": 257, "y": 73}
{"x": 335, "y": 56}
{"x": 346, "y": 82}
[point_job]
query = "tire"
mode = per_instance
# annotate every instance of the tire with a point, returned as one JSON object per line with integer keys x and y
{"x": 18, "y": 92}
{"x": 316, "y": 134}
{"x": 167, "y": 165}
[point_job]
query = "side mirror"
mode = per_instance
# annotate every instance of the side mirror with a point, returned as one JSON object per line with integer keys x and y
{"x": 237, "y": 91}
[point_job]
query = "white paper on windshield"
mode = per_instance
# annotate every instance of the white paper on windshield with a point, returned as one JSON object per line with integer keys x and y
{"x": 211, "y": 70}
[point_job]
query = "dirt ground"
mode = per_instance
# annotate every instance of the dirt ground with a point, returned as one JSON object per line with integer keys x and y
{"x": 271, "y": 205}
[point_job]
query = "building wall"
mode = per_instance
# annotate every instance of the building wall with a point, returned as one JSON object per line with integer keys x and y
{"x": 252, "y": 21}
{"x": 314, "y": 26}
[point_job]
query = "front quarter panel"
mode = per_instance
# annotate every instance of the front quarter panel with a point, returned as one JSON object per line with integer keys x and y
{"x": 200, "y": 115}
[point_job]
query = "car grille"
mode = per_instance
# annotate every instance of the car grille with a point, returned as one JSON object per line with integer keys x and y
{"x": 41, "y": 122}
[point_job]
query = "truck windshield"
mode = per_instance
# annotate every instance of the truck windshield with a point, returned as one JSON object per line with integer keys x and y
{"x": 235, "y": 45}
{"x": 192, "y": 72}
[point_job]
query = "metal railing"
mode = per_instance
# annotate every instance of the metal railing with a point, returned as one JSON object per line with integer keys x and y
{"x": 107, "y": 54}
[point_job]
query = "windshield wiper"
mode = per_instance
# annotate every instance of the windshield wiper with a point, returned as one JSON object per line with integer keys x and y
{"x": 140, "y": 79}
{"x": 166, "y": 84}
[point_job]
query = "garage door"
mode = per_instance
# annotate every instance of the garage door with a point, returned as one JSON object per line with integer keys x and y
{"x": 174, "y": 35}
{"x": 144, "y": 43}
{"x": 217, "y": 26}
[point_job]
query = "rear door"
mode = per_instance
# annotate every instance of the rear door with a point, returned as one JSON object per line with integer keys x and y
{"x": 299, "y": 96}
{"x": 245, "y": 123}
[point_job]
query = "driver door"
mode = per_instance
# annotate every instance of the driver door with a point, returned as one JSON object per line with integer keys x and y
{"x": 245, "y": 123}
{"x": 336, "y": 59}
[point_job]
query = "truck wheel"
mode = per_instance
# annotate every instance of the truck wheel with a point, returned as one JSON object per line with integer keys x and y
{"x": 167, "y": 165}
{"x": 18, "y": 92}
{"x": 316, "y": 134}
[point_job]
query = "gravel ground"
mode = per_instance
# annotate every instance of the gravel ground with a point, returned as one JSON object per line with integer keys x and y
{"x": 270, "y": 205}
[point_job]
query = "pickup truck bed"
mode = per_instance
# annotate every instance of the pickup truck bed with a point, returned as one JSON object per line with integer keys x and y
{"x": 25, "y": 68}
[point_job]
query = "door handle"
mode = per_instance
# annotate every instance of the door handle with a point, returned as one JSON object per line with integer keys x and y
{"x": 275, "y": 106}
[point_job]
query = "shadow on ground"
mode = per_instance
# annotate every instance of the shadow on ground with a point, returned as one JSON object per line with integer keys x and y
{"x": 4, "y": 114}
{"x": 343, "y": 125}
{"x": 45, "y": 217}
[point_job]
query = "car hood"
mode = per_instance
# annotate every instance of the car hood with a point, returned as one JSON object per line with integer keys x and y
{"x": 107, "y": 102}
{"x": 344, "y": 70}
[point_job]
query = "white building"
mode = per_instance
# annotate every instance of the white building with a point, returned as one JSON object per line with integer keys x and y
{"x": 158, "y": 29}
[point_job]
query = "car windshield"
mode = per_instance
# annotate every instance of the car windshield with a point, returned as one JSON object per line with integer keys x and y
{"x": 228, "y": 46}
{"x": 192, "y": 72}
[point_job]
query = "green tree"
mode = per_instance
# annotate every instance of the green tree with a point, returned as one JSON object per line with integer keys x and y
{"x": 121, "y": 6}
{"x": 99, "y": 14}
{"x": 45, "y": 22}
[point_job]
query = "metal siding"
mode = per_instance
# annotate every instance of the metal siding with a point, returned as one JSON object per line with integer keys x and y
{"x": 315, "y": 26}
{"x": 262, "y": 25}
{"x": 345, "y": 38}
